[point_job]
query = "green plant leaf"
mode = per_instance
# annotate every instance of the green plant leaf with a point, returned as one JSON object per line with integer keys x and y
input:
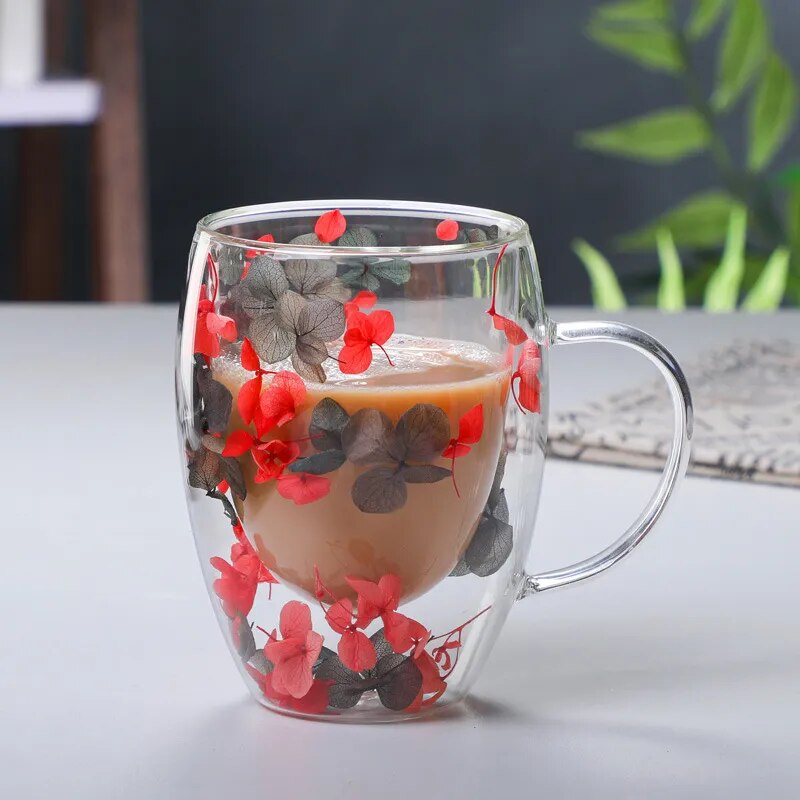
{"x": 632, "y": 11}
{"x": 704, "y": 17}
{"x": 660, "y": 137}
{"x": 671, "y": 295}
{"x": 651, "y": 47}
{"x": 772, "y": 112}
{"x": 722, "y": 290}
{"x": 793, "y": 219}
{"x": 700, "y": 221}
{"x": 770, "y": 287}
{"x": 606, "y": 290}
{"x": 744, "y": 48}
{"x": 788, "y": 176}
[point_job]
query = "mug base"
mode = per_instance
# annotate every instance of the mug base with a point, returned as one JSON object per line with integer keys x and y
{"x": 367, "y": 711}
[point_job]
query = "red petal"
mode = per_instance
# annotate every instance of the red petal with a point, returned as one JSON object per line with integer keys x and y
{"x": 447, "y": 230}
{"x": 356, "y": 651}
{"x": 205, "y": 342}
{"x": 365, "y": 299}
{"x": 295, "y": 620}
{"x": 392, "y": 588}
{"x": 382, "y": 326}
{"x": 247, "y": 399}
{"x": 238, "y": 442}
{"x": 530, "y": 395}
{"x": 470, "y": 426}
{"x": 302, "y": 487}
{"x": 249, "y": 357}
{"x": 456, "y": 450}
{"x": 340, "y": 615}
{"x": 221, "y": 326}
{"x": 277, "y": 408}
{"x": 293, "y": 384}
{"x": 292, "y": 675}
{"x": 315, "y": 701}
{"x": 355, "y": 359}
{"x": 223, "y": 486}
{"x": 397, "y": 630}
{"x": 330, "y": 226}
{"x": 253, "y": 253}
{"x": 369, "y": 591}
{"x": 513, "y": 332}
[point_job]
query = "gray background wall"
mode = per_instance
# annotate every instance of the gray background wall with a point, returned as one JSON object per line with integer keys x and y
{"x": 471, "y": 102}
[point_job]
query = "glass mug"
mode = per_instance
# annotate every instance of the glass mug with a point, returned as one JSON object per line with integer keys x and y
{"x": 362, "y": 409}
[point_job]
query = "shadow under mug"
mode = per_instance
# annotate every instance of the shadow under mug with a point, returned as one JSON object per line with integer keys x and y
{"x": 362, "y": 400}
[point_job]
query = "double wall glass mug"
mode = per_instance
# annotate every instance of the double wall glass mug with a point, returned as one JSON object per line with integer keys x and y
{"x": 362, "y": 399}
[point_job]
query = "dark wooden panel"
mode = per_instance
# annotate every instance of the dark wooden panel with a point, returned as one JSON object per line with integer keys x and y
{"x": 118, "y": 196}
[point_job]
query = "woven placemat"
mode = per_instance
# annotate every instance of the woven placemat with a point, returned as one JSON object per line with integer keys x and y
{"x": 747, "y": 418}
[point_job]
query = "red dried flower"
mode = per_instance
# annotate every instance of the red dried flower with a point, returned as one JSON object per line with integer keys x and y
{"x": 529, "y": 392}
{"x": 330, "y": 226}
{"x": 447, "y": 230}
{"x": 513, "y": 332}
{"x": 236, "y": 589}
{"x": 294, "y": 656}
{"x": 363, "y": 331}
{"x": 280, "y": 402}
{"x": 362, "y": 300}
{"x": 210, "y": 327}
{"x": 314, "y": 701}
{"x": 356, "y": 651}
{"x": 302, "y": 487}
{"x": 272, "y": 458}
{"x": 470, "y": 430}
{"x": 250, "y": 254}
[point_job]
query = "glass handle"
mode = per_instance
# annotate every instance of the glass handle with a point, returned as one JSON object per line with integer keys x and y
{"x": 618, "y": 333}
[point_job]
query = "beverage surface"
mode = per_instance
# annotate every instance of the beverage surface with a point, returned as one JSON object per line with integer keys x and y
{"x": 420, "y": 541}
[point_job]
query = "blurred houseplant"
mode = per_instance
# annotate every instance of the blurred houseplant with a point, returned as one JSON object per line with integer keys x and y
{"x": 741, "y": 239}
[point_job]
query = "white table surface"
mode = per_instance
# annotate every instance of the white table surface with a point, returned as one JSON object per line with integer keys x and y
{"x": 675, "y": 675}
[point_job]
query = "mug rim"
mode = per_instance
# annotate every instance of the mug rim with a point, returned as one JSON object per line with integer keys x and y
{"x": 514, "y": 228}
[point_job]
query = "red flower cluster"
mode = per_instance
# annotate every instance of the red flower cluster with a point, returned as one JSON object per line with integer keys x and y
{"x": 364, "y": 331}
{"x": 211, "y": 326}
{"x": 237, "y": 584}
{"x": 470, "y": 430}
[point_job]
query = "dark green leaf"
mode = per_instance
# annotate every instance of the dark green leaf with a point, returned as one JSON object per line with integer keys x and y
{"x": 289, "y": 307}
{"x": 261, "y": 663}
{"x": 499, "y": 473}
{"x": 661, "y": 137}
{"x": 217, "y": 402}
{"x": 700, "y": 221}
{"x": 232, "y": 471}
{"x": 460, "y": 569}
{"x": 382, "y": 647}
{"x": 319, "y": 463}
{"x": 422, "y": 433}
{"x": 346, "y": 687}
{"x": 396, "y": 271}
{"x": 606, "y": 291}
{"x": 703, "y": 17}
{"x": 242, "y": 637}
{"x": 424, "y": 473}
{"x": 306, "y": 239}
{"x": 205, "y": 469}
{"x": 358, "y": 236}
{"x": 230, "y": 264}
{"x": 490, "y": 547}
{"x": 366, "y": 437}
{"x": 772, "y": 112}
{"x": 379, "y": 490}
{"x": 322, "y": 319}
{"x": 272, "y": 340}
{"x": 744, "y": 48}
{"x": 476, "y": 235}
{"x": 400, "y": 679}
{"x": 307, "y": 275}
{"x": 327, "y": 423}
{"x": 266, "y": 280}
{"x": 651, "y": 47}
{"x": 360, "y": 276}
{"x": 789, "y": 176}
{"x": 308, "y": 370}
